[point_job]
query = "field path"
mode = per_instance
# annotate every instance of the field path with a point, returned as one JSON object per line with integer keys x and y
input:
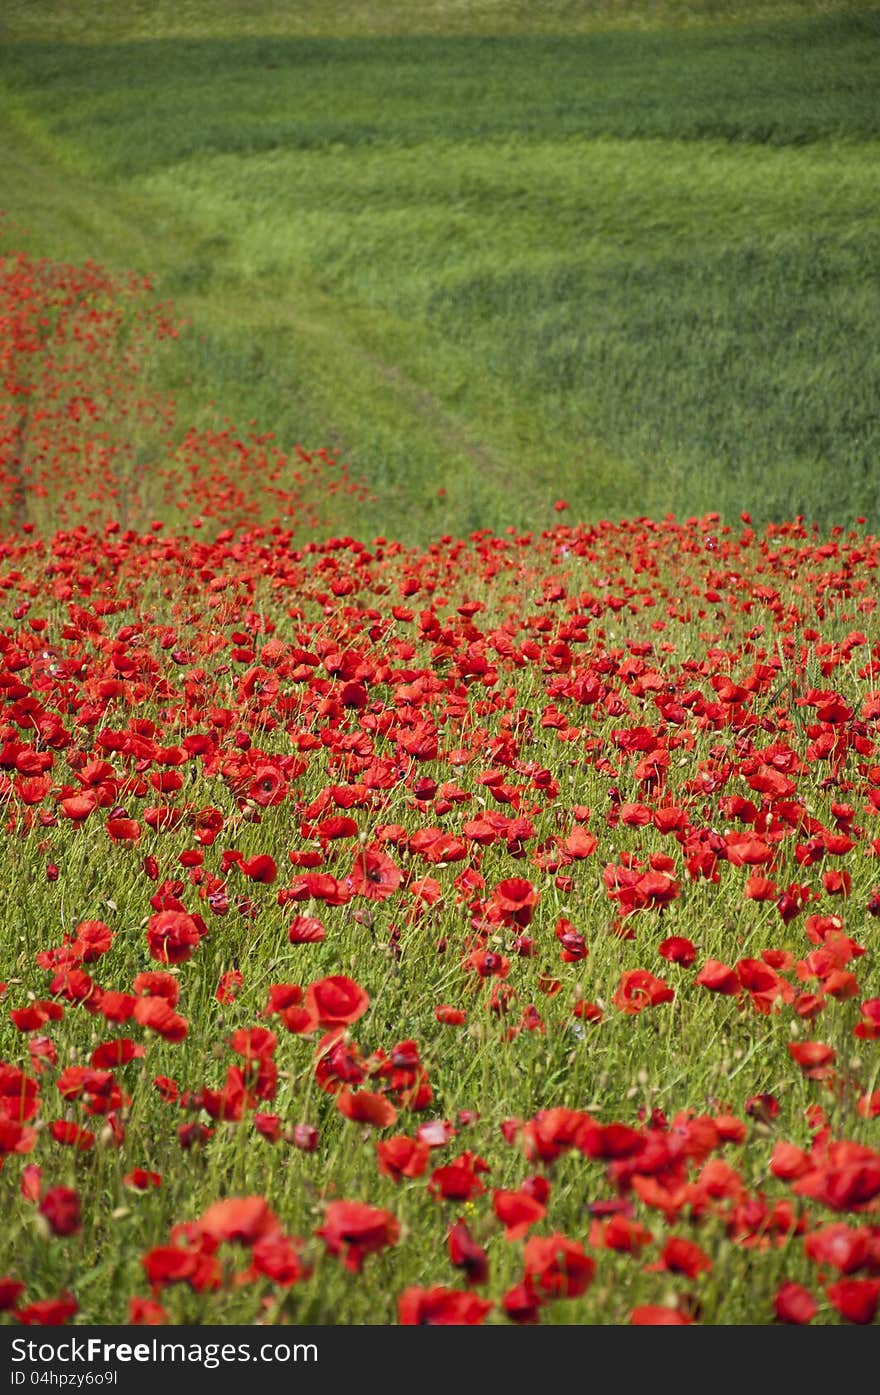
{"x": 80, "y": 218}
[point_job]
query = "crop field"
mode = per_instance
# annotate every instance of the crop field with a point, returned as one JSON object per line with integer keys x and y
{"x": 439, "y": 665}
{"x": 629, "y": 264}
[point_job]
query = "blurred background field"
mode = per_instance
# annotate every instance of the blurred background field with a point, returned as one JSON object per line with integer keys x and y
{"x": 494, "y": 255}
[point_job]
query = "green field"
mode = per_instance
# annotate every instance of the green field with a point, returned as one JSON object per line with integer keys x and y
{"x": 630, "y": 261}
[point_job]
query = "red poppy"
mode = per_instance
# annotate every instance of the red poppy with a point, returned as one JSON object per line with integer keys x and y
{"x": 718, "y": 978}
{"x": 116, "y": 1053}
{"x": 681, "y": 1256}
{"x": 139, "y": 1180}
{"x": 160, "y": 1017}
{"x": 794, "y": 1304}
{"x": 336, "y": 1001}
{"x": 60, "y": 1207}
{"x": 517, "y": 1212}
{"x": 31, "y": 1184}
{"x": 277, "y": 1257}
{"x": 655, "y": 1315}
{"x": 71, "y": 1135}
{"x": 638, "y": 989}
{"x": 450, "y": 1016}
{"x": 678, "y": 950}
{"x": 169, "y": 1264}
{"x": 619, "y": 1233}
{"x": 306, "y": 929}
{"x": 374, "y": 875}
{"x": 557, "y": 1266}
{"x": 441, "y": 1307}
{"x": 366, "y": 1107}
{"x": 402, "y": 1157}
{"x": 513, "y": 901}
{"x": 353, "y": 1230}
{"x": 869, "y": 1028}
{"x": 10, "y": 1291}
{"x": 466, "y": 1254}
{"x": 260, "y": 868}
{"x": 839, "y": 1245}
{"x": 146, "y": 1312}
{"x": 856, "y": 1300}
{"x": 172, "y": 936}
{"x": 522, "y": 1304}
{"x": 228, "y": 986}
{"x": 48, "y": 1312}
{"x": 243, "y": 1218}
{"x": 154, "y": 984}
{"x": 813, "y": 1057}
{"x": 597, "y": 1140}
{"x": 459, "y": 1180}
{"x": 488, "y": 963}
{"x": 14, "y": 1137}
{"x": 92, "y": 938}
{"x": 305, "y": 1137}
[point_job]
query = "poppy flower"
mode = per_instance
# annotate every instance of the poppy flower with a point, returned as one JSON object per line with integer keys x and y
{"x": 638, "y": 989}
{"x": 869, "y": 1028}
{"x": 228, "y": 986}
{"x": 260, "y": 868}
{"x": 678, "y": 950}
{"x": 840, "y": 1246}
{"x": 557, "y": 1266}
{"x": 146, "y": 1312}
{"x": 336, "y": 1001}
{"x": 374, "y": 875}
{"x": 522, "y": 1304}
{"x": 157, "y": 1015}
{"x": 305, "y": 1137}
{"x": 71, "y": 1135}
{"x": 681, "y": 1256}
{"x": 441, "y": 1307}
{"x": 31, "y": 1184}
{"x": 450, "y": 1016}
{"x": 154, "y": 984}
{"x": 718, "y": 978}
{"x": 402, "y": 1157}
{"x": 466, "y": 1254}
{"x": 10, "y": 1291}
{"x": 169, "y": 1264}
{"x": 116, "y": 1053}
{"x": 619, "y": 1233}
{"x": 513, "y": 902}
{"x": 353, "y": 1230}
{"x": 243, "y": 1218}
{"x": 794, "y": 1304}
{"x": 517, "y": 1211}
{"x": 60, "y": 1207}
{"x": 813, "y": 1057}
{"x": 436, "y": 1133}
{"x": 856, "y": 1300}
{"x": 460, "y": 1179}
{"x": 140, "y": 1180}
{"x": 48, "y": 1312}
{"x": 172, "y": 936}
{"x": 306, "y": 929}
{"x": 655, "y": 1315}
{"x": 366, "y": 1107}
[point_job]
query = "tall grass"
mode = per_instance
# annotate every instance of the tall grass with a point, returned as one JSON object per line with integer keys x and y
{"x": 634, "y": 269}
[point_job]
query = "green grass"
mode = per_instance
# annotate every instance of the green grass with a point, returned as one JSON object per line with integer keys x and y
{"x": 633, "y": 269}
{"x": 72, "y": 21}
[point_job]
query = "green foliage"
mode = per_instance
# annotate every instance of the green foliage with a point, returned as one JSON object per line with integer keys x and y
{"x": 635, "y": 269}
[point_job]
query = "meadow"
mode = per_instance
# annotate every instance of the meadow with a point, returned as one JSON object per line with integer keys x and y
{"x": 617, "y": 265}
{"x": 429, "y": 899}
